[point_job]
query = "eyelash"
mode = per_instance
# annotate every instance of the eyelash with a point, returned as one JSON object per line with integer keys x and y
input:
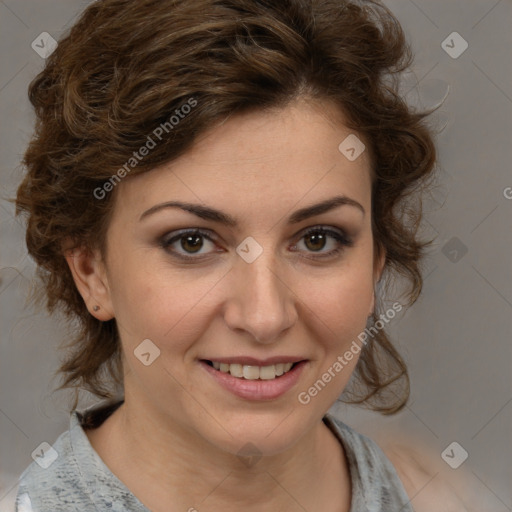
{"x": 340, "y": 237}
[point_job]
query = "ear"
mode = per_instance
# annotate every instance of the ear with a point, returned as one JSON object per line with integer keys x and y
{"x": 378, "y": 268}
{"x": 90, "y": 276}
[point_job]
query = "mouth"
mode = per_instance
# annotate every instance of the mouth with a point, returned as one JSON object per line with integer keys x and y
{"x": 255, "y": 382}
{"x": 252, "y": 372}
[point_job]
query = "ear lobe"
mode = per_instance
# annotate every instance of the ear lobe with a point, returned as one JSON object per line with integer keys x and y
{"x": 89, "y": 273}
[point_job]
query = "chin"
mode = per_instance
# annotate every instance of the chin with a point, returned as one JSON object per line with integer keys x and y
{"x": 264, "y": 433}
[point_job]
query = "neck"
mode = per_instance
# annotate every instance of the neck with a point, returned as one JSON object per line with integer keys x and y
{"x": 148, "y": 451}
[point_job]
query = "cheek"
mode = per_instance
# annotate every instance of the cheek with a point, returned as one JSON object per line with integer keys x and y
{"x": 160, "y": 304}
{"x": 342, "y": 302}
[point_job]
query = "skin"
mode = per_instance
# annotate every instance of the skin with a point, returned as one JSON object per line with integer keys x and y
{"x": 174, "y": 442}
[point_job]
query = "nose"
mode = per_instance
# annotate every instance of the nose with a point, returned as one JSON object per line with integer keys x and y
{"x": 260, "y": 302}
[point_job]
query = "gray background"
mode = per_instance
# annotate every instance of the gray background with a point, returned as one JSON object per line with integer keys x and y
{"x": 456, "y": 338}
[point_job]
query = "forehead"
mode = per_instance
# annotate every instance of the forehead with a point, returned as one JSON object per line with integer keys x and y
{"x": 292, "y": 156}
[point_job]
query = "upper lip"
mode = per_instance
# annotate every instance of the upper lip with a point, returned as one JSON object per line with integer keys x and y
{"x": 253, "y": 361}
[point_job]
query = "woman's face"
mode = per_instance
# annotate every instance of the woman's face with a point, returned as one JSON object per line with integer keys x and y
{"x": 257, "y": 292}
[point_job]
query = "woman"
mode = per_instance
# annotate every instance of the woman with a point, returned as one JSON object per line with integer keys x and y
{"x": 214, "y": 191}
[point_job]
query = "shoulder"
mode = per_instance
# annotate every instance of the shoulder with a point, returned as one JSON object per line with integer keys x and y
{"x": 375, "y": 483}
{"x": 423, "y": 479}
{"x": 70, "y": 475}
{"x": 406, "y": 472}
{"x": 52, "y": 481}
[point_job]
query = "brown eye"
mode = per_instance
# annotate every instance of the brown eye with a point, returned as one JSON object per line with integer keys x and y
{"x": 315, "y": 241}
{"x": 190, "y": 242}
{"x": 318, "y": 238}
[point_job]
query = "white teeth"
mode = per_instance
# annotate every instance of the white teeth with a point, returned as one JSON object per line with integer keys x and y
{"x": 268, "y": 372}
{"x": 236, "y": 370}
{"x": 251, "y": 372}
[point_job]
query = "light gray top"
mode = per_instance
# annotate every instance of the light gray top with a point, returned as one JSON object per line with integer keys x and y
{"x": 75, "y": 478}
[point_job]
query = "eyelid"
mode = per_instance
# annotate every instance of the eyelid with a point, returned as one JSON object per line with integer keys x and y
{"x": 325, "y": 228}
{"x": 340, "y": 235}
{"x": 173, "y": 236}
{"x": 187, "y": 231}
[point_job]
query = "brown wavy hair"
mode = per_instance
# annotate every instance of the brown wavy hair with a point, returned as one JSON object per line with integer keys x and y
{"x": 126, "y": 65}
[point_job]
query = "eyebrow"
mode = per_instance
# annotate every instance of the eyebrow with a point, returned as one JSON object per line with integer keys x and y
{"x": 207, "y": 213}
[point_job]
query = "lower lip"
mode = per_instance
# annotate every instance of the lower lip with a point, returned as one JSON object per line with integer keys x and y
{"x": 256, "y": 389}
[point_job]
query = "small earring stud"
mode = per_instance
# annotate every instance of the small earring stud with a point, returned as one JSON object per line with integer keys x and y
{"x": 96, "y": 308}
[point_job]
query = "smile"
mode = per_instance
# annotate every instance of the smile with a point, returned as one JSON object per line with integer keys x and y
{"x": 251, "y": 372}
{"x": 265, "y": 381}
